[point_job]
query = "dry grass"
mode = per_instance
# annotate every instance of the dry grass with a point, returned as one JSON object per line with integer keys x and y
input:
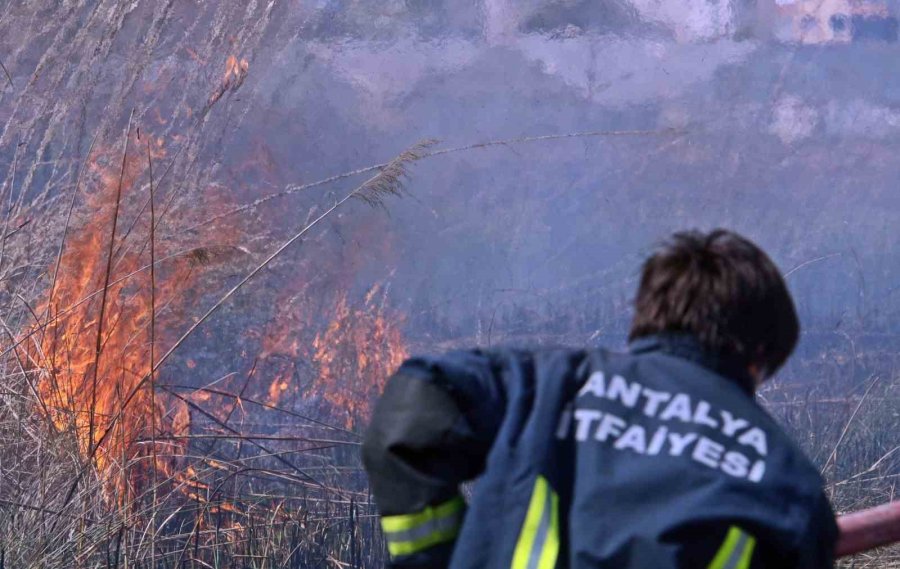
{"x": 850, "y": 430}
{"x": 236, "y": 490}
{"x": 128, "y": 487}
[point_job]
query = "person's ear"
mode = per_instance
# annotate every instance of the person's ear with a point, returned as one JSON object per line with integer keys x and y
{"x": 759, "y": 373}
{"x": 759, "y": 370}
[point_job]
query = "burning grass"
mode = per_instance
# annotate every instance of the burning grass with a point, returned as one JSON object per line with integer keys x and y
{"x": 111, "y": 464}
{"x": 110, "y": 459}
{"x": 94, "y": 330}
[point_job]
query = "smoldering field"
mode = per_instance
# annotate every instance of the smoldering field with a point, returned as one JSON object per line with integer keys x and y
{"x": 192, "y": 138}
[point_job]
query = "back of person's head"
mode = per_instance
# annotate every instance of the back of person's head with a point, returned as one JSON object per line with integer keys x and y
{"x": 723, "y": 290}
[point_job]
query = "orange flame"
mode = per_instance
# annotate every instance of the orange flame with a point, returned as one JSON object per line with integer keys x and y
{"x": 235, "y": 69}
{"x": 360, "y": 348}
{"x": 235, "y": 73}
{"x": 101, "y": 396}
{"x": 96, "y": 393}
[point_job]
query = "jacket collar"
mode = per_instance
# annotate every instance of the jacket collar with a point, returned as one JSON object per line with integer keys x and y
{"x": 686, "y": 346}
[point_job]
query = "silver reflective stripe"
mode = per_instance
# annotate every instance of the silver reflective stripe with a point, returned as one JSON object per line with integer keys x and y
{"x": 437, "y": 525}
{"x": 737, "y": 554}
{"x": 410, "y": 533}
{"x": 736, "y": 551}
{"x": 538, "y": 544}
{"x": 540, "y": 537}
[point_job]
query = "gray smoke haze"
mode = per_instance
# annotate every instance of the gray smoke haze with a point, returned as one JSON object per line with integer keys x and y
{"x": 778, "y": 119}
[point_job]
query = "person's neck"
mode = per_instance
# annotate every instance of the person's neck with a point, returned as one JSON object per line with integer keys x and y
{"x": 687, "y": 346}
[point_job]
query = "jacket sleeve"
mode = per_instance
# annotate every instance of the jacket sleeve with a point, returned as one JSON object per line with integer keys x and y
{"x": 738, "y": 546}
{"x": 430, "y": 431}
{"x": 818, "y": 541}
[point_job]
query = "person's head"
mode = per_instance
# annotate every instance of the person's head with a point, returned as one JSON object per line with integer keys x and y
{"x": 723, "y": 290}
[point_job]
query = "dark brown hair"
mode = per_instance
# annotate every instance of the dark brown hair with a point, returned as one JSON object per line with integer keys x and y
{"x": 722, "y": 289}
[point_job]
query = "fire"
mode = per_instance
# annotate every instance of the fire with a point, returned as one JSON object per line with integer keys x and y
{"x": 277, "y": 388}
{"x": 94, "y": 349}
{"x": 342, "y": 367}
{"x": 235, "y": 70}
{"x": 105, "y": 319}
{"x": 103, "y": 323}
{"x": 356, "y": 353}
{"x": 235, "y": 73}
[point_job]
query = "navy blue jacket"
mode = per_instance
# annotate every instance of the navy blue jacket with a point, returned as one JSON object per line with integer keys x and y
{"x": 658, "y": 458}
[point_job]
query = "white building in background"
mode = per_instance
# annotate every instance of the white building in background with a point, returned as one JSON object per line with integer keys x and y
{"x": 832, "y": 21}
{"x": 689, "y": 20}
{"x": 790, "y": 21}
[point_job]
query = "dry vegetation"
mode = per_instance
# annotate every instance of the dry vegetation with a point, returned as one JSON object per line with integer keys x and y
{"x": 102, "y": 465}
{"x": 850, "y": 430}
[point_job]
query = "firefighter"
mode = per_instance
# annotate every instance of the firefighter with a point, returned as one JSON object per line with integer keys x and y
{"x": 659, "y": 457}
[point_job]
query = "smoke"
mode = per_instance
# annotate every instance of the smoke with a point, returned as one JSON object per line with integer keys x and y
{"x": 787, "y": 141}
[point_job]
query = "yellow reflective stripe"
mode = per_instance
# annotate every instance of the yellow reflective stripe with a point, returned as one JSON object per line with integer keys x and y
{"x": 735, "y": 552}
{"x": 551, "y": 544}
{"x": 538, "y": 545}
{"x": 409, "y": 533}
{"x": 744, "y": 561}
{"x": 409, "y": 521}
{"x": 532, "y": 520}
{"x": 397, "y": 548}
{"x": 725, "y": 550}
